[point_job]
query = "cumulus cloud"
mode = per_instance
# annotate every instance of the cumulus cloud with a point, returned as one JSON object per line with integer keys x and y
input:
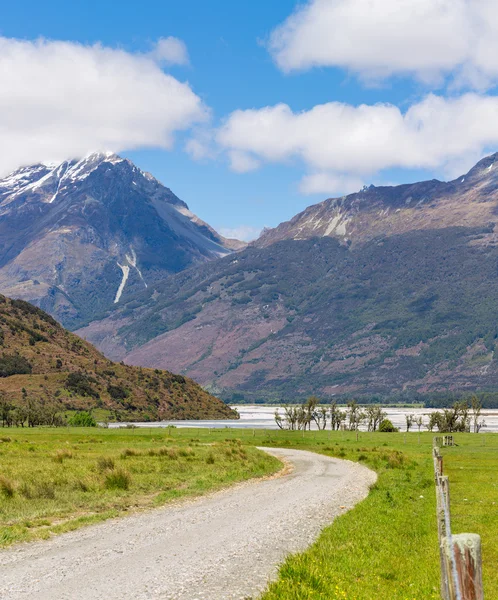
{"x": 246, "y": 233}
{"x": 330, "y": 183}
{"x": 340, "y": 143}
{"x": 62, "y": 99}
{"x": 170, "y": 51}
{"x": 243, "y": 162}
{"x": 379, "y": 38}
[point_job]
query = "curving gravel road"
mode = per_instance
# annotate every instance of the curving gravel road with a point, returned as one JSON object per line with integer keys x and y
{"x": 225, "y": 546}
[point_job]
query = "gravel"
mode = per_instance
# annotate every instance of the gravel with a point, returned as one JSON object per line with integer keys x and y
{"x": 224, "y": 546}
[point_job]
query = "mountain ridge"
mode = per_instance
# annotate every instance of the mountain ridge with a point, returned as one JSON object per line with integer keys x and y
{"x": 407, "y": 305}
{"x": 391, "y": 210}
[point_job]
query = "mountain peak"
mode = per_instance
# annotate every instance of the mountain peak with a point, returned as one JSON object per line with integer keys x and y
{"x": 78, "y": 235}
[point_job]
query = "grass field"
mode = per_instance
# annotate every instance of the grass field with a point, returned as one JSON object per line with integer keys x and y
{"x": 55, "y": 480}
{"x": 385, "y": 548}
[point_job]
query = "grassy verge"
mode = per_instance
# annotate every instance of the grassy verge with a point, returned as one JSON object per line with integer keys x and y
{"x": 387, "y": 546}
{"x": 57, "y": 480}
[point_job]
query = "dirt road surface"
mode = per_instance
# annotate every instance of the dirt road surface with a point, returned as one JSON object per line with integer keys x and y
{"x": 225, "y": 546}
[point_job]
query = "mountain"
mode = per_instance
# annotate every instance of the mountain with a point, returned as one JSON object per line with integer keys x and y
{"x": 469, "y": 201}
{"x": 40, "y": 361}
{"x": 77, "y": 237}
{"x": 403, "y": 296}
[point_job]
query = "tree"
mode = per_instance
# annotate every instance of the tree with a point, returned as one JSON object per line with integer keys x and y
{"x": 337, "y": 417}
{"x": 451, "y": 420}
{"x": 476, "y": 405}
{"x": 410, "y": 419}
{"x": 309, "y": 407}
{"x": 434, "y": 419}
{"x": 419, "y": 422}
{"x": 320, "y": 416}
{"x": 355, "y": 415}
{"x": 375, "y": 415}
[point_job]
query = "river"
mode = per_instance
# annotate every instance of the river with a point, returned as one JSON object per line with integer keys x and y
{"x": 262, "y": 417}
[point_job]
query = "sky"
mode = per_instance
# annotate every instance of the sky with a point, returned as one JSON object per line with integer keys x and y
{"x": 250, "y": 111}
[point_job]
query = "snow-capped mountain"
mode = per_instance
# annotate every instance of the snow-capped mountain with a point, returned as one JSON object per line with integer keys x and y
{"x": 77, "y": 236}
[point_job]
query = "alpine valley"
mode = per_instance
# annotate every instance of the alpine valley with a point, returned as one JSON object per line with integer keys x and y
{"x": 389, "y": 290}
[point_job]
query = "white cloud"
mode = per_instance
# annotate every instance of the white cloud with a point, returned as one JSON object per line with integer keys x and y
{"x": 245, "y": 233}
{"x": 349, "y": 142}
{"x": 62, "y": 99}
{"x": 379, "y": 38}
{"x": 243, "y": 162}
{"x": 170, "y": 51}
{"x": 330, "y": 183}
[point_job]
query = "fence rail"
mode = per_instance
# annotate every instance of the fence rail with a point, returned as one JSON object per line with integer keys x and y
{"x": 460, "y": 555}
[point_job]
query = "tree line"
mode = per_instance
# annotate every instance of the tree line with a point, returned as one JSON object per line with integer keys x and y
{"x": 463, "y": 416}
{"x": 34, "y": 411}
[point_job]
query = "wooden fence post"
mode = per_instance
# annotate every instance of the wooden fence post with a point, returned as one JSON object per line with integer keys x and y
{"x": 467, "y": 552}
{"x": 461, "y": 564}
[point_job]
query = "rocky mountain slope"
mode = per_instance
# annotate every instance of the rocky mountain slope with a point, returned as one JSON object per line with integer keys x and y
{"x": 409, "y": 303}
{"x": 77, "y": 237}
{"x": 469, "y": 201}
{"x": 42, "y": 362}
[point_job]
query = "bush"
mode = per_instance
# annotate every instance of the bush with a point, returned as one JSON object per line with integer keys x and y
{"x": 386, "y": 426}
{"x": 117, "y": 392}
{"x": 118, "y": 480}
{"x": 14, "y": 364}
{"x": 79, "y": 383}
{"x": 82, "y": 419}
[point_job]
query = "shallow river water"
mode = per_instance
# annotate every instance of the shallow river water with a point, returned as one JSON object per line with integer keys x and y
{"x": 262, "y": 417}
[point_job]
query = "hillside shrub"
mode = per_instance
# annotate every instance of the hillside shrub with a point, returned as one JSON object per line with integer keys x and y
{"x": 14, "y": 364}
{"x": 80, "y": 384}
{"x": 117, "y": 392}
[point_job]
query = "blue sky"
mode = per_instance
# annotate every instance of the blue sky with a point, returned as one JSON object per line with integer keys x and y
{"x": 237, "y": 62}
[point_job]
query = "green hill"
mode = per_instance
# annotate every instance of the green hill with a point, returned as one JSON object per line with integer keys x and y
{"x": 44, "y": 366}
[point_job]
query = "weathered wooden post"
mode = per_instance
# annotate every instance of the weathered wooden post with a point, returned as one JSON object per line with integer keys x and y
{"x": 467, "y": 556}
{"x": 460, "y": 555}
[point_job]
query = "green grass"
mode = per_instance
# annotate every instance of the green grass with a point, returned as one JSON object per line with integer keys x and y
{"x": 54, "y": 480}
{"x": 384, "y": 548}
{"x": 387, "y": 546}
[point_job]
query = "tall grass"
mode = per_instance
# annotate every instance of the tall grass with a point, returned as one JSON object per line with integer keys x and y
{"x": 56, "y": 480}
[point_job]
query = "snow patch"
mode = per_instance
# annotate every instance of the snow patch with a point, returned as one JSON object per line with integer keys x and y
{"x": 132, "y": 261}
{"x": 126, "y": 272}
{"x": 491, "y": 166}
